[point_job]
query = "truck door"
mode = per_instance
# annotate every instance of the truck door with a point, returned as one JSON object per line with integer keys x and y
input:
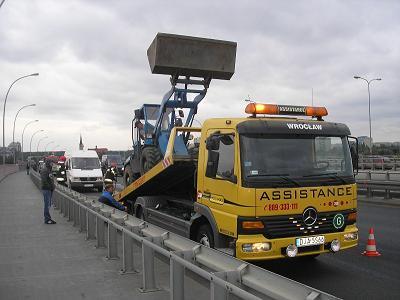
{"x": 219, "y": 191}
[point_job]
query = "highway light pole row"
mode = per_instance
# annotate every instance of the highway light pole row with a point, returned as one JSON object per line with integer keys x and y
{"x": 30, "y": 144}
{"x": 4, "y": 111}
{"x": 369, "y": 108}
{"x": 15, "y": 119}
{"x": 22, "y": 139}
{"x": 43, "y": 138}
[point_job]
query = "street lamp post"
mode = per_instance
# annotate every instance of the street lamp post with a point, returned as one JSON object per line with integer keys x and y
{"x": 30, "y": 144}
{"x": 45, "y": 147}
{"x": 43, "y": 138}
{"x": 4, "y": 111}
{"x": 15, "y": 119}
{"x": 22, "y": 139}
{"x": 369, "y": 108}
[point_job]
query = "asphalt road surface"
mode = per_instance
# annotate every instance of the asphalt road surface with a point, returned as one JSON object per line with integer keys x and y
{"x": 348, "y": 274}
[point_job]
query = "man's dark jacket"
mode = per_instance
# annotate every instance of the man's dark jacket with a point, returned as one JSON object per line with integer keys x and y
{"x": 47, "y": 181}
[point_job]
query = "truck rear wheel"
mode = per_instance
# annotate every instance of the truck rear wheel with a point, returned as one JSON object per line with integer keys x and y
{"x": 205, "y": 236}
{"x": 150, "y": 157}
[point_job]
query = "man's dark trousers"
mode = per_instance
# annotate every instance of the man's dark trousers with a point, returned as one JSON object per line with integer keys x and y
{"x": 47, "y": 204}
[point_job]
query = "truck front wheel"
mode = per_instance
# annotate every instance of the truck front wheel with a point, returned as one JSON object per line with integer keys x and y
{"x": 205, "y": 236}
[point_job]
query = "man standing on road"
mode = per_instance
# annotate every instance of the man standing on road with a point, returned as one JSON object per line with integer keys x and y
{"x": 107, "y": 198}
{"x": 47, "y": 189}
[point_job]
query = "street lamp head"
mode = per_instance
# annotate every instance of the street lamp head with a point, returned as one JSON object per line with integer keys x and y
{"x": 33, "y": 104}
{"x": 34, "y": 74}
{"x": 378, "y": 79}
{"x": 36, "y": 121}
{"x": 357, "y": 77}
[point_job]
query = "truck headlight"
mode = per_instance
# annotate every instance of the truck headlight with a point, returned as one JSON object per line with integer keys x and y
{"x": 256, "y": 247}
{"x": 350, "y": 236}
{"x": 75, "y": 179}
{"x": 291, "y": 250}
{"x": 62, "y": 172}
{"x": 335, "y": 245}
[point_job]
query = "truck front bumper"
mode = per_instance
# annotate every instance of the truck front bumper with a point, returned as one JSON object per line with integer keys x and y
{"x": 278, "y": 246}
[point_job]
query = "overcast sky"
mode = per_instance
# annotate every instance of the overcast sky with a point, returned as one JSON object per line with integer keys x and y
{"x": 91, "y": 56}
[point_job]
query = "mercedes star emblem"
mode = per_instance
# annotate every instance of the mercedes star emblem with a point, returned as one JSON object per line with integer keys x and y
{"x": 310, "y": 216}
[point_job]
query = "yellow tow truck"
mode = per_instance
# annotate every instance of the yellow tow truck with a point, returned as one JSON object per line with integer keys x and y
{"x": 265, "y": 186}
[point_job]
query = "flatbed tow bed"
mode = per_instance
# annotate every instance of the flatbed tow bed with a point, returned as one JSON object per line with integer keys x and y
{"x": 167, "y": 174}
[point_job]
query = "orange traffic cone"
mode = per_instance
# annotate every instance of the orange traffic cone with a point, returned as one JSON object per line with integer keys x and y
{"x": 371, "y": 246}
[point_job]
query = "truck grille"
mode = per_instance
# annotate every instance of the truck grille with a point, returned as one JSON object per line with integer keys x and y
{"x": 293, "y": 225}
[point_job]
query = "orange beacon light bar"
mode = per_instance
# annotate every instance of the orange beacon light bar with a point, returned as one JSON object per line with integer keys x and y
{"x": 274, "y": 109}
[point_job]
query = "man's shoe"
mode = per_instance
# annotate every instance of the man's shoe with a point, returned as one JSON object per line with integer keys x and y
{"x": 50, "y": 222}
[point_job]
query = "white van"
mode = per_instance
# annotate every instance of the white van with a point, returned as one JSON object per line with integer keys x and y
{"x": 84, "y": 171}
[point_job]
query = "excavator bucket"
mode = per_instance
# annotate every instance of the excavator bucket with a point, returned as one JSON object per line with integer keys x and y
{"x": 192, "y": 56}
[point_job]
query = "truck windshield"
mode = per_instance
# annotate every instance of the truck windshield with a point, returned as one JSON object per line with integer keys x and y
{"x": 85, "y": 163}
{"x": 295, "y": 160}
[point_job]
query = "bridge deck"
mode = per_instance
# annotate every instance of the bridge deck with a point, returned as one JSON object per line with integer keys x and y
{"x": 39, "y": 261}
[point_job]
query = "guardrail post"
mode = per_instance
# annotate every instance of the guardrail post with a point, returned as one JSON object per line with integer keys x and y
{"x": 61, "y": 205}
{"x": 70, "y": 210}
{"x": 76, "y": 214}
{"x": 112, "y": 251}
{"x": 176, "y": 280}
{"x": 149, "y": 278}
{"x": 217, "y": 292}
{"x": 90, "y": 226}
{"x": 387, "y": 191}
{"x": 64, "y": 207}
{"x": 100, "y": 233}
{"x": 369, "y": 190}
{"x": 82, "y": 219}
{"x": 127, "y": 255}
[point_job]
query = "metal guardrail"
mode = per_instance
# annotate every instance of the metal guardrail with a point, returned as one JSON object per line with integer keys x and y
{"x": 226, "y": 274}
{"x": 379, "y": 181}
{"x": 379, "y": 163}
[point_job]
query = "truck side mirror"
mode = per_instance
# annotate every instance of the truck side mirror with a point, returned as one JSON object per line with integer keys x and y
{"x": 212, "y": 164}
{"x": 354, "y": 154}
{"x": 212, "y": 142}
{"x": 181, "y": 113}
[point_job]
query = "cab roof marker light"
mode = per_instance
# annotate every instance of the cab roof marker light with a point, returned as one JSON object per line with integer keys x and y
{"x": 274, "y": 109}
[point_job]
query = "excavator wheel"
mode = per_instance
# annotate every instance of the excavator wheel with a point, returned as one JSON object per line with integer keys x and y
{"x": 128, "y": 176}
{"x": 150, "y": 157}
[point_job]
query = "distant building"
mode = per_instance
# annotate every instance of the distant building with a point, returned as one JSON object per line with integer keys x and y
{"x": 16, "y": 146}
{"x": 80, "y": 143}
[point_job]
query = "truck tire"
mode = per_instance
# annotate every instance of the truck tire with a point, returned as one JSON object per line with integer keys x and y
{"x": 205, "y": 236}
{"x": 128, "y": 176}
{"x": 150, "y": 157}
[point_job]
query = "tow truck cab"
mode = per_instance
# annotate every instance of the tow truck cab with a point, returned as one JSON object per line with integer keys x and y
{"x": 278, "y": 186}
